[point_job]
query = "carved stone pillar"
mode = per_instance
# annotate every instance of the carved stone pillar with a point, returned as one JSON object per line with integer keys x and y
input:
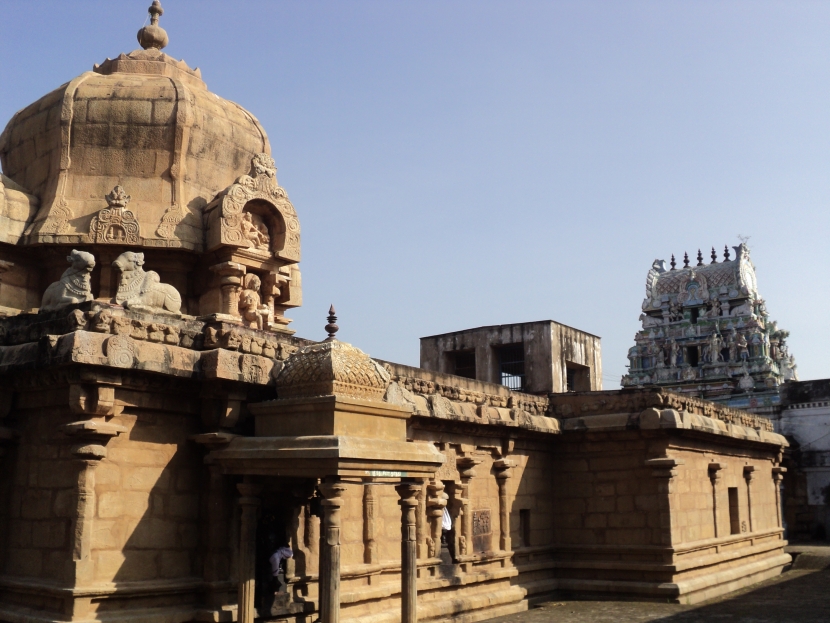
{"x": 748, "y": 473}
{"x": 466, "y": 469}
{"x": 249, "y": 503}
{"x": 408, "y": 492}
{"x": 665, "y": 469}
{"x": 230, "y": 281}
{"x": 332, "y": 491}
{"x": 370, "y": 548}
{"x": 777, "y": 477}
{"x": 436, "y": 501}
{"x": 503, "y": 472}
{"x": 714, "y": 478}
{"x": 312, "y": 541}
{"x": 272, "y": 284}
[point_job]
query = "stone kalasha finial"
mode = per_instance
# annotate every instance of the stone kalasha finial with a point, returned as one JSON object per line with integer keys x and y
{"x": 699, "y": 258}
{"x": 153, "y": 36}
{"x": 714, "y": 256}
{"x": 331, "y": 328}
{"x": 673, "y": 263}
{"x": 725, "y": 253}
{"x": 685, "y": 260}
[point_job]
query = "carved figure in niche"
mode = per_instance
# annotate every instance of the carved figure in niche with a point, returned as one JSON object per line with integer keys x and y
{"x": 714, "y": 348}
{"x": 250, "y": 304}
{"x": 140, "y": 288}
{"x": 675, "y": 311}
{"x": 743, "y": 347}
{"x": 714, "y": 309}
{"x": 674, "y": 352}
{"x": 255, "y": 231}
{"x": 733, "y": 348}
{"x": 74, "y": 286}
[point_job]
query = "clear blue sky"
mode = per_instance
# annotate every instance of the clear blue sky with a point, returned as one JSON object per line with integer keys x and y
{"x": 457, "y": 164}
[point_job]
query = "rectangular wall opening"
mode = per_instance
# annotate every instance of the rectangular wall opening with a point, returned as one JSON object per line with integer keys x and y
{"x": 734, "y": 511}
{"x": 524, "y": 527}
{"x": 695, "y": 314}
{"x": 577, "y": 377}
{"x": 512, "y": 366}
{"x": 692, "y": 355}
{"x": 463, "y": 363}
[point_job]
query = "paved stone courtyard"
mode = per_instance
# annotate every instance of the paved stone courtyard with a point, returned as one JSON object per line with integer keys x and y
{"x": 801, "y": 595}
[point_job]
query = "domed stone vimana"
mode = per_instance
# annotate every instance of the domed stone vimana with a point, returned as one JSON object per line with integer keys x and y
{"x": 171, "y": 453}
{"x": 199, "y": 194}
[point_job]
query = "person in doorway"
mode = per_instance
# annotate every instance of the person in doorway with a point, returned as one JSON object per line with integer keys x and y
{"x": 446, "y": 532}
{"x": 281, "y": 554}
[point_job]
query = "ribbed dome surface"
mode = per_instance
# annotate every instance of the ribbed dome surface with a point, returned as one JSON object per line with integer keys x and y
{"x": 143, "y": 121}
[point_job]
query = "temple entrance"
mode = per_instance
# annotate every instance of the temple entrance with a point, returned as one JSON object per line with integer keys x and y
{"x": 272, "y": 539}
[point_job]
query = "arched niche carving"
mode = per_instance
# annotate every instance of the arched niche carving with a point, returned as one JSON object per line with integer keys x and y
{"x": 260, "y": 197}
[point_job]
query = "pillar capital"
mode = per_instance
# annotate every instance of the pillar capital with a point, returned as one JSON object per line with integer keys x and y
{"x": 664, "y": 467}
{"x": 504, "y": 468}
{"x": 715, "y": 470}
{"x": 332, "y": 492}
{"x": 466, "y": 466}
{"x": 749, "y": 472}
{"x": 249, "y": 493}
{"x": 408, "y": 493}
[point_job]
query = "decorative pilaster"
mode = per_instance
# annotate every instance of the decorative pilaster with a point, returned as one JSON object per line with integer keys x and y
{"x": 422, "y": 528}
{"x": 408, "y": 492}
{"x": 370, "y": 548}
{"x": 332, "y": 491}
{"x": 93, "y": 436}
{"x": 466, "y": 469}
{"x": 714, "y": 478}
{"x": 748, "y": 473}
{"x": 503, "y": 472}
{"x": 665, "y": 469}
{"x": 249, "y": 503}
{"x": 777, "y": 477}
{"x": 230, "y": 281}
{"x": 436, "y": 501}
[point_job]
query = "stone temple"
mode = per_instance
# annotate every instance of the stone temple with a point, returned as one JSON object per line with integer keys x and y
{"x": 163, "y": 432}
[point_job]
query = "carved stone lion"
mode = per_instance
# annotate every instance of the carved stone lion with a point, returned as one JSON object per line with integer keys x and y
{"x": 140, "y": 288}
{"x": 74, "y": 286}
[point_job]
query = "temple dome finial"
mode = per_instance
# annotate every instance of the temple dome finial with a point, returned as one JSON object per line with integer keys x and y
{"x": 153, "y": 36}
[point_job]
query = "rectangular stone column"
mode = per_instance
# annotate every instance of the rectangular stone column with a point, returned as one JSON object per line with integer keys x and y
{"x": 408, "y": 492}
{"x": 332, "y": 492}
{"x": 249, "y": 503}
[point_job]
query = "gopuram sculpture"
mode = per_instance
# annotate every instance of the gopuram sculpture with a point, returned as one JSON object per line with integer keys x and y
{"x": 715, "y": 324}
{"x": 163, "y": 432}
